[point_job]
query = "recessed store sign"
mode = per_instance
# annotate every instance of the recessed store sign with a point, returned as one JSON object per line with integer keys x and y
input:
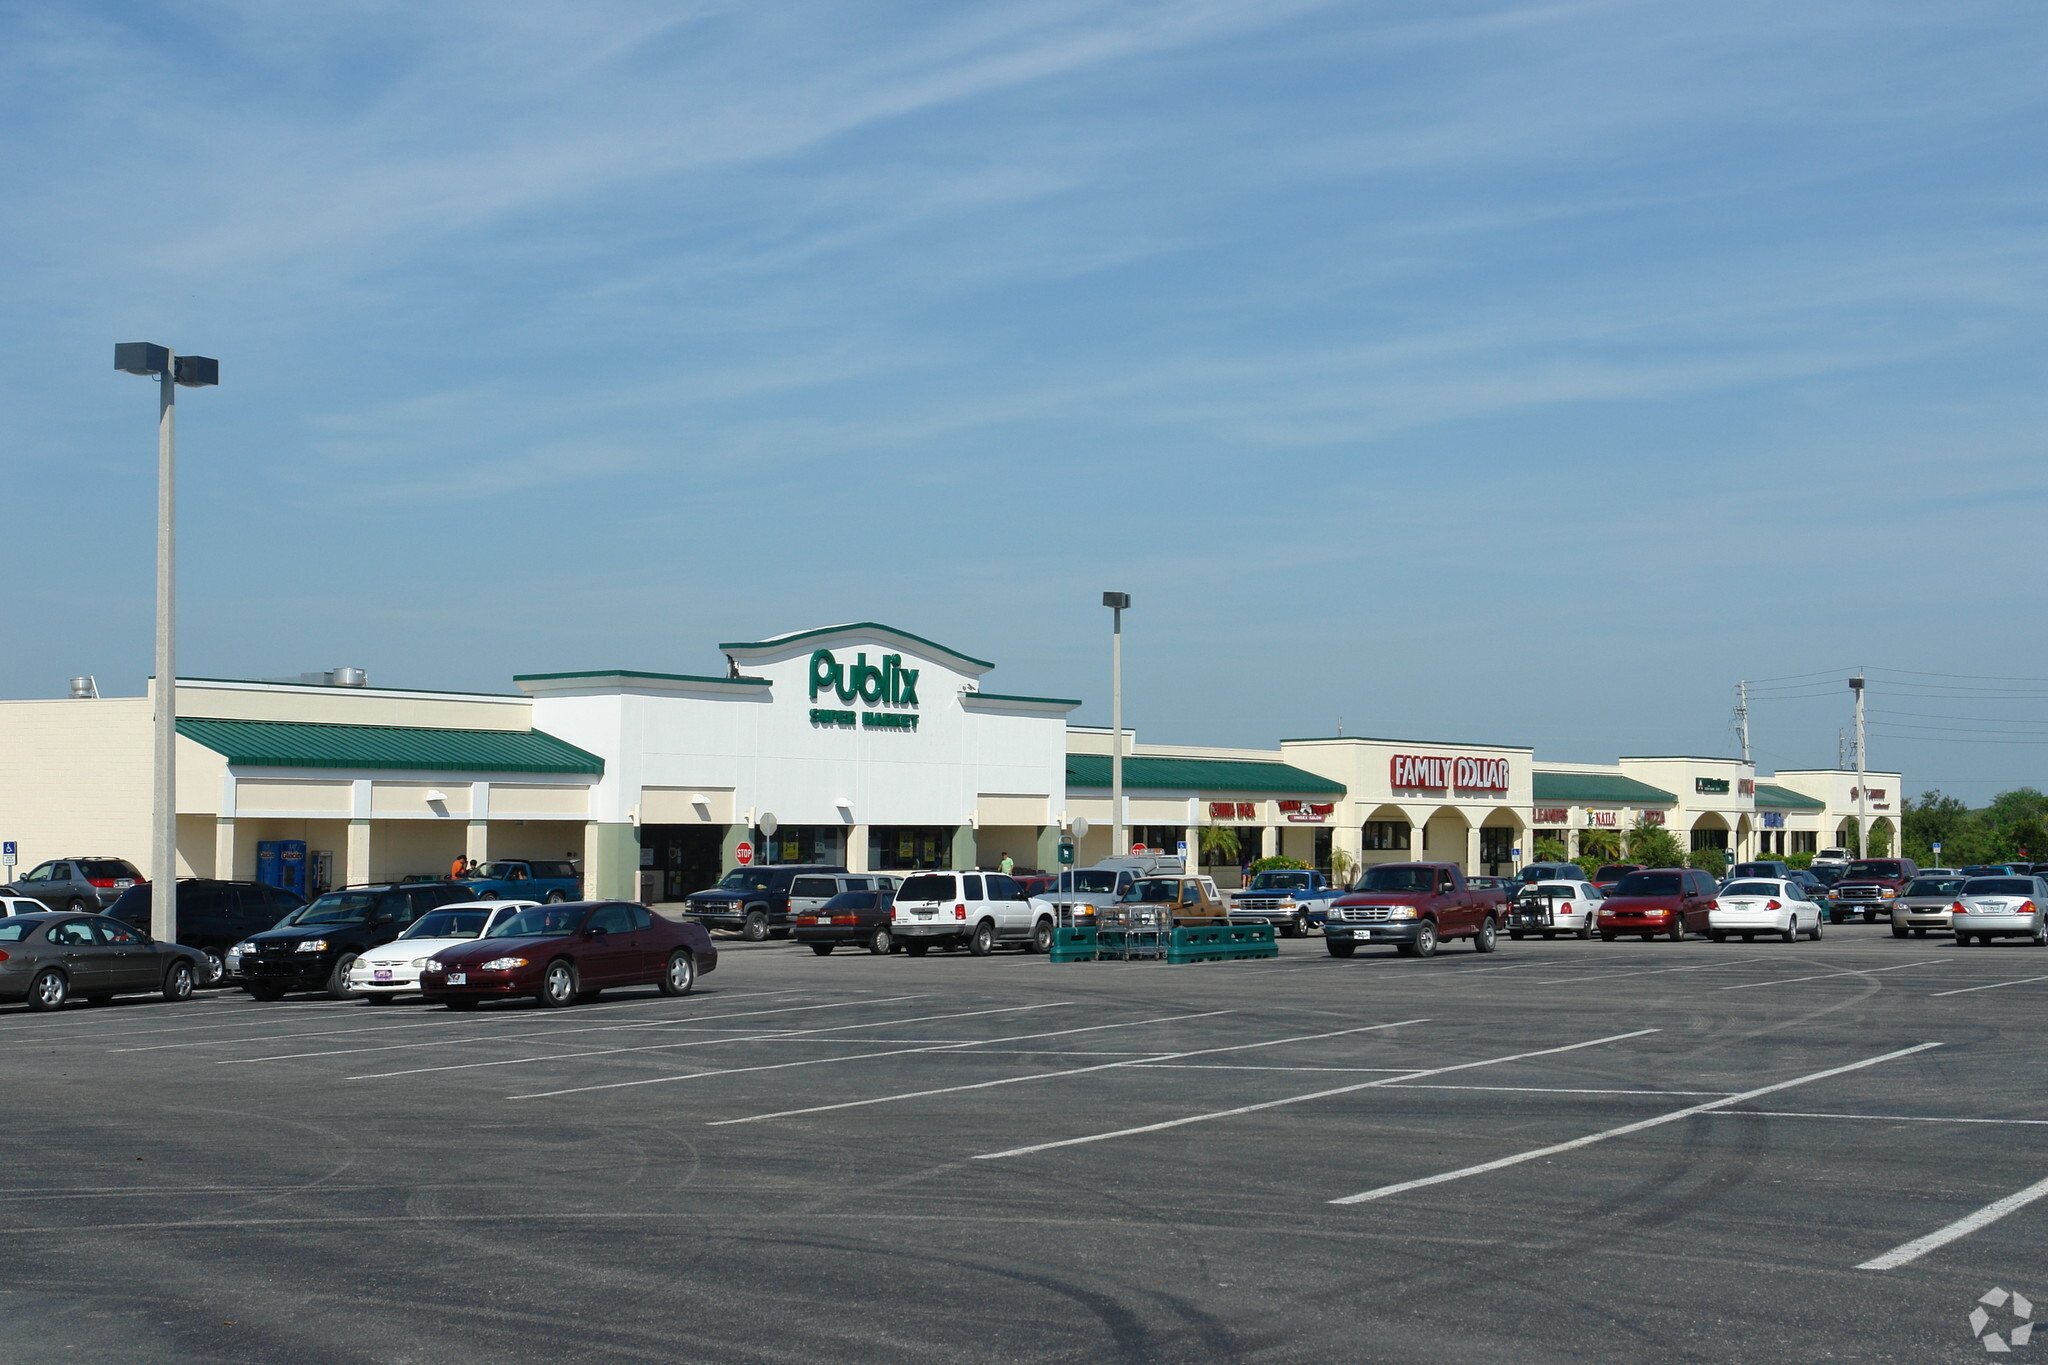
{"x": 1307, "y": 812}
{"x": 1432, "y": 773}
{"x": 1603, "y": 817}
{"x": 1710, "y": 786}
{"x": 1552, "y": 815}
{"x": 1233, "y": 810}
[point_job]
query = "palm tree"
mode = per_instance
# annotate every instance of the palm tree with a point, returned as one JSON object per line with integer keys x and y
{"x": 1220, "y": 844}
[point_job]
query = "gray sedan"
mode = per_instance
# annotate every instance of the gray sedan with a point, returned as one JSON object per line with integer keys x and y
{"x": 46, "y": 959}
{"x": 2000, "y": 907}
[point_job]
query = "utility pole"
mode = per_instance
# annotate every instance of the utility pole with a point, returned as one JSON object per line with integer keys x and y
{"x": 1116, "y": 602}
{"x": 1862, "y": 789}
{"x": 1742, "y": 716}
{"x": 1841, "y": 749}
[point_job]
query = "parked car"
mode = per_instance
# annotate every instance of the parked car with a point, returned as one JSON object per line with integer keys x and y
{"x": 755, "y": 900}
{"x": 976, "y": 909}
{"x": 76, "y": 884}
{"x": 212, "y": 916}
{"x": 1084, "y": 890}
{"x": 382, "y": 974}
{"x": 2001, "y": 907}
{"x": 1768, "y": 869}
{"x": 1763, "y": 905}
{"x": 313, "y": 948}
{"x": 532, "y": 879}
{"x": 1832, "y": 857}
{"x": 1504, "y": 884}
{"x": 21, "y": 905}
{"x": 1816, "y": 890}
{"x": 1552, "y": 908}
{"x": 1292, "y": 899}
{"x": 1179, "y": 900}
{"x": 1414, "y": 906}
{"x": 1667, "y": 901}
{"x": 47, "y": 957}
{"x": 1869, "y": 885}
{"x": 1606, "y": 877}
{"x": 1036, "y": 884}
{"x": 1926, "y": 903}
{"x": 859, "y": 919}
{"x": 559, "y": 954}
{"x": 1827, "y": 875}
{"x": 1550, "y": 872}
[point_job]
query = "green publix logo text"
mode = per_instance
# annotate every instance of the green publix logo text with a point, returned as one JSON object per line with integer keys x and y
{"x": 892, "y": 683}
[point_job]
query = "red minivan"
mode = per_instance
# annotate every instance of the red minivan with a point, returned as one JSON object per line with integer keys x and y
{"x": 1658, "y": 900}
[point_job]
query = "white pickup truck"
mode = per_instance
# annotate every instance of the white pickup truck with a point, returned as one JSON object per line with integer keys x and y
{"x": 975, "y": 909}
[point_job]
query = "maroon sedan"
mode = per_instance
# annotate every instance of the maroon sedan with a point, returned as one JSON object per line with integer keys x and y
{"x": 1666, "y": 901}
{"x": 559, "y": 954}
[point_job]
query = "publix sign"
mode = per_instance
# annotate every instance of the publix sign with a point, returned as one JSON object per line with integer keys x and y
{"x": 1434, "y": 773}
{"x": 886, "y": 684}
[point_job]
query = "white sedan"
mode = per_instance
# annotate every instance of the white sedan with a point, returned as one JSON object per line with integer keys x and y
{"x": 392, "y": 969}
{"x": 1758, "y": 906}
{"x": 1555, "y": 907}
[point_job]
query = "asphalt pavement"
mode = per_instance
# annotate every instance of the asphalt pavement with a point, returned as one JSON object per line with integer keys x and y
{"x": 1562, "y": 1151}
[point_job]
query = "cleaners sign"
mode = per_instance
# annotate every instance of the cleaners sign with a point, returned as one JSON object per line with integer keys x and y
{"x": 890, "y": 684}
{"x": 1436, "y": 774}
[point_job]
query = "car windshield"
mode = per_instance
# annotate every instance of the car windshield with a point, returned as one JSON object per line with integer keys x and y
{"x": 744, "y": 880}
{"x": 1153, "y": 889}
{"x": 542, "y": 921}
{"x": 1935, "y": 886}
{"x": 1280, "y": 881}
{"x": 1091, "y": 882}
{"x": 1400, "y": 879}
{"x": 15, "y": 932}
{"x": 1752, "y": 889}
{"x": 1875, "y": 868}
{"x": 337, "y": 907}
{"x": 1648, "y": 884}
{"x": 1544, "y": 889}
{"x": 502, "y": 871}
{"x": 1999, "y": 886}
{"x": 1752, "y": 870}
{"x": 449, "y": 924}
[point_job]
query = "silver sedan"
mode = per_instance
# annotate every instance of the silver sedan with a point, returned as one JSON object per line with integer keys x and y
{"x": 47, "y": 959}
{"x": 2001, "y": 907}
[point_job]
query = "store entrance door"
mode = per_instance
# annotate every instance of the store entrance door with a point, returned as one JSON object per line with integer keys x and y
{"x": 684, "y": 858}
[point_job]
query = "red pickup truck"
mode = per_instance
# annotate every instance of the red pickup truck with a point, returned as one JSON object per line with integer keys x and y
{"x": 1414, "y": 906}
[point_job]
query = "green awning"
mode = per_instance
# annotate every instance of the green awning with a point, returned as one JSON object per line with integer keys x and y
{"x": 1784, "y": 798}
{"x": 1596, "y": 789}
{"x": 1198, "y": 774}
{"x": 295, "y": 744}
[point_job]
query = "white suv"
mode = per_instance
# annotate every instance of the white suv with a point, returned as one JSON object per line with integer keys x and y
{"x": 979, "y": 909}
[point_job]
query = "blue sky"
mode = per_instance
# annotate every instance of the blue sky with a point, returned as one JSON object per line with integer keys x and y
{"x": 1476, "y": 371}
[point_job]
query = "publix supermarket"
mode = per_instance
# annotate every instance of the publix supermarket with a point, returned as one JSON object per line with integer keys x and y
{"x": 861, "y": 745}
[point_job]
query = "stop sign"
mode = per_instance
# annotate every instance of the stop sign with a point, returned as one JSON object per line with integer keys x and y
{"x": 745, "y": 853}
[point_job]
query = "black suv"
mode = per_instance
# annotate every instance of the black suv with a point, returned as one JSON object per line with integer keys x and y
{"x": 313, "y": 948}
{"x": 212, "y": 916}
{"x": 753, "y": 900}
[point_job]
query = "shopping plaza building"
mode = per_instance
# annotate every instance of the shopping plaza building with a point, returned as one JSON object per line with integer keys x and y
{"x": 860, "y": 745}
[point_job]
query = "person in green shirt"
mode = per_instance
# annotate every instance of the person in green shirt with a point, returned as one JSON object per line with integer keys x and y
{"x": 1007, "y": 865}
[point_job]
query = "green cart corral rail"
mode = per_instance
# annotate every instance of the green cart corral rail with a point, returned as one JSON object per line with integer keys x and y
{"x": 1223, "y": 943}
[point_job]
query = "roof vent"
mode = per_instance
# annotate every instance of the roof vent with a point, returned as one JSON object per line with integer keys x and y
{"x": 349, "y": 677}
{"x": 84, "y": 689}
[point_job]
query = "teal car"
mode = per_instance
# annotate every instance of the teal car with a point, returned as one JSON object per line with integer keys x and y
{"x": 527, "y": 879}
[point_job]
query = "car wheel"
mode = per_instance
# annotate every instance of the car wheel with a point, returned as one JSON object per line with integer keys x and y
{"x": 558, "y": 986}
{"x": 554, "y": 898}
{"x": 265, "y": 993}
{"x": 1340, "y": 947}
{"x": 1041, "y": 937}
{"x": 1789, "y": 932}
{"x": 680, "y": 976}
{"x": 178, "y": 982}
{"x": 1516, "y": 935}
{"x": 487, "y": 895}
{"x": 1834, "y": 917}
{"x": 379, "y": 999}
{"x": 1677, "y": 931}
{"x": 755, "y": 927}
{"x": 216, "y": 967}
{"x": 1586, "y": 929}
{"x": 337, "y": 980}
{"x": 1606, "y": 937}
{"x": 822, "y": 949}
{"x": 1898, "y": 931}
{"x": 1919, "y": 933}
{"x": 917, "y": 947}
{"x": 1718, "y": 935}
{"x": 982, "y": 941}
{"x": 1488, "y": 937}
{"x": 2039, "y": 937}
{"x": 48, "y": 991}
{"x": 1424, "y": 944}
{"x": 880, "y": 941}
{"x": 1297, "y": 927}
{"x": 1870, "y": 916}
{"x": 1816, "y": 928}
{"x": 77, "y": 907}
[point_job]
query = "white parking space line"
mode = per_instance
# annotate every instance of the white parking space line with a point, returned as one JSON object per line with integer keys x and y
{"x": 1555, "y": 1090}
{"x": 778, "y": 1035}
{"x": 1054, "y": 1075}
{"x": 689, "y": 1022}
{"x": 1646, "y": 971}
{"x": 1840, "y": 972}
{"x": 1868, "y": 1118}
{"x": 1962, "y": 1227}
{"x": 1302, "y": 1099}
{"x": 2025, "y": 980}
{"x": 1228, "y": 1066}
{"x": 1674, "y": 1116}
{"x": 859, "y": 1056}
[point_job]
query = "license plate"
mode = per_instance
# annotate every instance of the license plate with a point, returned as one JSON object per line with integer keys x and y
{"x": 458, "y": 979}
{"x": 381, "y": 974}
{"x": 123, "y": 883}
{"x": 924, "y": 914}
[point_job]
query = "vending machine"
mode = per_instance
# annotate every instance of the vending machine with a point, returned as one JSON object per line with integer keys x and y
{"x": 282, "y": 863}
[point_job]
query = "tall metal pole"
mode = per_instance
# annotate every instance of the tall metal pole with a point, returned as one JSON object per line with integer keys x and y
{"x": 1862, "y": 783}
{"x": 163, "y": 857}
{"x": 1742, "y": 716}
{"x": 1119, "y": 845}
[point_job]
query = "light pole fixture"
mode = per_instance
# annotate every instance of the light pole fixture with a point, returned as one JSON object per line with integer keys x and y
{"x": 193, "y": 372}
{"x": 1116, "y": 602}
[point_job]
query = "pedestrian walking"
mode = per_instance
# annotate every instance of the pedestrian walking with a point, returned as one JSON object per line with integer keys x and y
{"x": 1007, "y": 865}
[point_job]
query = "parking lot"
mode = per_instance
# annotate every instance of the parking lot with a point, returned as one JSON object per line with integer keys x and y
{"x": 1562, "y": 1151}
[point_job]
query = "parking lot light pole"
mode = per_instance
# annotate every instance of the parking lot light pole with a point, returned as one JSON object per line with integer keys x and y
{"x": 1116, "y": 602}
{"x": 192, "y": 371}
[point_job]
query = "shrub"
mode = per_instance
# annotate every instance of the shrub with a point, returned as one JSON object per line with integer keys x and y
{"x": 1799, "y": 860}
{"x": 1710, "y": 860}
{"x": 1549, "y": 850}
{"x": 1589, "y": 864}
{"x": 1654, "y": 846}
{"x": 1278, "y": 864}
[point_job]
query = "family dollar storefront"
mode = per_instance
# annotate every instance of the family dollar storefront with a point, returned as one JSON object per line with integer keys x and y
{"x": 860, "y": 746}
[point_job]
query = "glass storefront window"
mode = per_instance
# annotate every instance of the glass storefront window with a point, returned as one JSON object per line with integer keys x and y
{"x": 906, "y": 848}
{"x": 805, "y": 844}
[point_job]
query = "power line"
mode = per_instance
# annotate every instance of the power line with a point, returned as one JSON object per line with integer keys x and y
{"x": 1975, "y": 677}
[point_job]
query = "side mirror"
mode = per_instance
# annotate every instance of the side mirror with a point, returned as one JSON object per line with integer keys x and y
{"x": 596, "y": 931}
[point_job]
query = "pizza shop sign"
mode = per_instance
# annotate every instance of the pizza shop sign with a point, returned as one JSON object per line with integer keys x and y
{"x": 1433, "y": 773}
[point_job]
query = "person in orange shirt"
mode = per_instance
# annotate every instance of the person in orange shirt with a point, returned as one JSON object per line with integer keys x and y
{"x": 455, "y": 869}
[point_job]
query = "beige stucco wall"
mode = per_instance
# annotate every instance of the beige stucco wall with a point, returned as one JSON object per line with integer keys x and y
{"x": 353, "y": 706}
{"x": 676, "y": 806}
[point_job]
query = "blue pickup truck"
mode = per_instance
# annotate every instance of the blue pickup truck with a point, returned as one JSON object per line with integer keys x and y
{"x": 1291, "y": 900}
{"x": 527, "y": 879}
